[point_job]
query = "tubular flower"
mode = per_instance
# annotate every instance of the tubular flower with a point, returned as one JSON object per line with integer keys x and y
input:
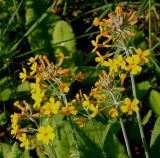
{"x": 69, "y": 110}
{"x": 51, "y": 107}
{"x": 64, "y": 87}
{"x": 45, "y": 134}
{"x": 25, "y": 141}
{"x": 142, "y": 55}
{"x": 130, "y": 107}
{"x": 133, "y": 66}
{"x": 23, "y": 75}
{"x": 118, "y": 10}
{"x": 122, "y": 78}
{"x": 113, "y": 112}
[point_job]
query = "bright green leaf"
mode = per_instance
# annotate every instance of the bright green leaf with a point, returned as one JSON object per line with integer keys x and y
{"x": 3, "y": 118}
{"x": 63, "y": 32}
{"x": 142, "y": 88}
{"x": 5, "y": 94}
{"x": 154, "y": 101}
{"x": 147, "y": 117}
{"x": 155, "y": 140}
{"x": 23, "y": 87}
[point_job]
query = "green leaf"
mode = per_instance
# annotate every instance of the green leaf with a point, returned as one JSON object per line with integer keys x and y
{"x": 5, "y": 94}
{"x": 15, "y": 152}
{"x": 66, "y": 143}
{"x": 154, "y": 101}
{"x": 4, "y": 149}
{"x": 24, "y": 87}
{"x": 41, "y": 36}
{"x": 3, "y": 118}
{"x": 147, "y": 117}
{"x": 114, "y": 148}
{"x": 155, "y": 140}
{"x": 142, "y": 88}
{"x": 63, "y": 32}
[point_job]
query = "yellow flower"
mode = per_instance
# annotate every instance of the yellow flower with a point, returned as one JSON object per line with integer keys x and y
{"x": 23, "y": 75}
{"x": 133, "y": 66}
{"x": 32, "y": 59}
{"x": 142, "y": 55}
{"x": 51, "y": 107}
{"x": 96, "y": 22}
{"x": 87, "y": 103}
{"x": 121, "y": 61}
{"x": 95, "y": 111}
{"x": 45, "y": 134}
{"x": 37, "y": 96}
{"x": 69, "y": 110}
{"x": 35, "y": 86}
{"x": 14, "y": 129}
{"x": 95, "y": 44}
{"x": 113, "y": 112}
{"x": 112, "y": 64}
{"x": 25, "y": 141}
{"x": 33, "y": 68}
{"x": 14, "y": 118}
{"x": 100, "y": 58}
{"x": 130, "y": 107}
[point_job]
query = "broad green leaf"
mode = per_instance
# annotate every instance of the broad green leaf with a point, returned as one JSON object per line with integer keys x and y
{"x": 15, "y": 152}
{"x": 4, "y": 149}
{"x": 23, "y": 87}
{"x": 66, "y": 143}
{"x": 112, "y": 145}
{"x": 155, "y": 140}
{"x": 154, "y": 101}
{"x": 3, "y": 118}
{"x": 5, "y": 94}
{"x": 63, "y": 32}
{"x": 147, "y": 117}
{"x": 142, "y": 88}
{"x": 41, "y": 36}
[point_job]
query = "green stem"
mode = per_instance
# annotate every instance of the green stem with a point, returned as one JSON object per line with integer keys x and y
{"x": 137, "y": 113}
{"x": 74, "y": 134}
{"x": 149, "y": 25}
{"x": 139, "y": 118}
{"x": 122, "y": 126}
{"x": 95, "y": 129}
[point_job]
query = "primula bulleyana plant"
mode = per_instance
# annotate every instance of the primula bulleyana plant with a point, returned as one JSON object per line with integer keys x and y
{"x": 51, "y": 84}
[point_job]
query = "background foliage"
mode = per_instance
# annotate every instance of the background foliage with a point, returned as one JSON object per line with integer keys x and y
{"x": 49, "y": 27}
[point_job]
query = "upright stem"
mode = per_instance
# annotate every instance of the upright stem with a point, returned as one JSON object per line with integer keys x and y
{"x": 139, "y": 119}
{"x": 123, "y": 127}
{"x": 149, "y": 25}
{"x": 137, "y": 113}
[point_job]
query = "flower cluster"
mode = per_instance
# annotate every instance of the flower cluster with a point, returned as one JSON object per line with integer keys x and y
{"x": 114, "y": 32}
{"x": 50, "y": 84}
{"x": 48, "y": 98}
